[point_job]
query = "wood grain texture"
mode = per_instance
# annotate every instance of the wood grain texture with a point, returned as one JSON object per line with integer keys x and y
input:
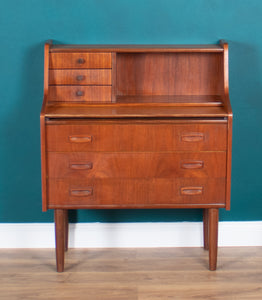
{"x": 149, "y": 136}
{"x": 230, "y": 120}
{"x": 114, "y": 62}
{"x": 229, "y": 161}
{"x": 213, "y": 214}
{"x": 80, "y": 60}
{"x": 116, "y": 110}
{"x": 60, "y": 238}
{"x": 131, "y": 274}
{"x": 81, "y": 165}
{"x": 137, "y": 48}
{"x": 169, "y": 74}
{"x": 137, "y": 127}
{"x": 76, "y": 93}
{"x": 43, "y": 126}
{"x": 174, "y": 100}
{"x": 134, "y": 193}
{"x": 80, "y": 77}
{"x": 205, "y": 229}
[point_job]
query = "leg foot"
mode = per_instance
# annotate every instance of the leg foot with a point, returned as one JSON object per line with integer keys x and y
{"x": 66, "y": 229}
{"x": 213, "y": 236}
{"x": 205, "y": 228}
{"x": 60, "y": 238}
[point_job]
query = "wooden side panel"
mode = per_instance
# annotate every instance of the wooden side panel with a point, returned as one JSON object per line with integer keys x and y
{"x": 114, "y": 62}
{"x": 80, "y": 77}
{"x": 137, "y": 192}
{"x": 80, "y": 93}
{"x": 81, "y": 165}
{"x": 143, "y": 137}
{"x": 80, "y": 60}
{"x": 169, "y": 74}
{"x": 228, "y": 108}
{"x": 229, "y": 161}
{"x": 43, "y": 128}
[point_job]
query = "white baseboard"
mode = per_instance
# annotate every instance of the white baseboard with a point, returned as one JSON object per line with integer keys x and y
{"x": 103, "y": 235}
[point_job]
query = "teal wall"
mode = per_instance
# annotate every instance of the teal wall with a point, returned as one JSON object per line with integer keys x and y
{"x": 25, "y": 25}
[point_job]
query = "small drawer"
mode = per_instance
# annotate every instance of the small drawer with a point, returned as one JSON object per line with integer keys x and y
{"x": 76, "y": 93}
{"x": 80, "y": 77}
{"x": 135, "y": 136}
{"x": 63, "y": 193}
{"x": 81, "y": 165}
{"x": 135, "y": 192}
{"x": 80, "y": 61}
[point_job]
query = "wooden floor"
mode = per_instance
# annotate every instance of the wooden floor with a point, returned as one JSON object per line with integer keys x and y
{"x": 144, "y": 274}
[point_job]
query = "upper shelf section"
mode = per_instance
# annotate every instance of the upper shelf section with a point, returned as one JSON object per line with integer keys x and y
{"x": 179, "y": 77}
{"x": 136, "y": 48}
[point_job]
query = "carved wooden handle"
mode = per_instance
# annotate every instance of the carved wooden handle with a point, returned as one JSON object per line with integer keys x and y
{"x": 192, "y": 190}
{"x": 81, "y": 166}
{"x": 192, "y": 137}
{"x": 80, "y": 139}
{"x": 81, "y": 192}
{"x": 192, "y": 164}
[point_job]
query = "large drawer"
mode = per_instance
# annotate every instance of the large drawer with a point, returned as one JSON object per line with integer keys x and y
{"x": 76, "y": 93}
{"x": 121, "y": 136}
{"x": 80, "y": 61}
{"x": 80, "y": 77}
{"x": 79, "y": 165}
{"x": 135, "y": 192}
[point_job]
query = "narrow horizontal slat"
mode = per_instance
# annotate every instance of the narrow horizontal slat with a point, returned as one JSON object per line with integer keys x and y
{"x": 58, "y": 110}
{"x": 136, "y": 48}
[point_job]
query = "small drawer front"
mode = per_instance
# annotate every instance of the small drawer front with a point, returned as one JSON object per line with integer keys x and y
{"x": 80, "y": 61}
{"x": 80, "y": 93}
{"x": 135, "y": 192}
{"x": 79, "y": 165}
{"x": 121, "y": 136}
{"x": 61, "y": 192}
{"x": 80, "y": 77}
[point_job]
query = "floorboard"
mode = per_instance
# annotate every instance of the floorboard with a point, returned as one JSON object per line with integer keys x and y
{"x": 127, "y": 274}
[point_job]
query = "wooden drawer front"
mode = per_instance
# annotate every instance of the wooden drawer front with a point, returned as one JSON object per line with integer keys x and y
{"x": 135, "y": 193}
{"x": 112, "y": 137}
{"x": 81, "y": 165}
{"x": 80, "y": 93}
{"x": 80, "y": 77}
{"x": 80, "y": 61}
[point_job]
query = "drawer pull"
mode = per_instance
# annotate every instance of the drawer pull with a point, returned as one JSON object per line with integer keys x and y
{"x": 192, "y": 137}
{"x": 84, "y": 166}
{"x": 81, "y": 192}
{"x": 191, "y": 191}
{"x": 79, "y": 93}
{"x": 80, "y": 77}
{"x": 80, "y": 139}
{"x": 80, "y": 61}
{"x": 193, "y": 164}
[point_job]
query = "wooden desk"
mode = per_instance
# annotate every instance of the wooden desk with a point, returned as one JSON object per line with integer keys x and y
{"x": 142, "y": 126}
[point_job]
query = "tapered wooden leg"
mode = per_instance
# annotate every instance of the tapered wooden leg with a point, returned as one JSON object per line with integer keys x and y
{"x": 205, "y": 228}
{"x": 60, "y": 239}
{"x": 213, "y": 236}
{"x": 66, "y": 229}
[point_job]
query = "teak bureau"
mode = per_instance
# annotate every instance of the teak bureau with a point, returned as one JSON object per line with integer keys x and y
{"x": 141, "y": 126}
